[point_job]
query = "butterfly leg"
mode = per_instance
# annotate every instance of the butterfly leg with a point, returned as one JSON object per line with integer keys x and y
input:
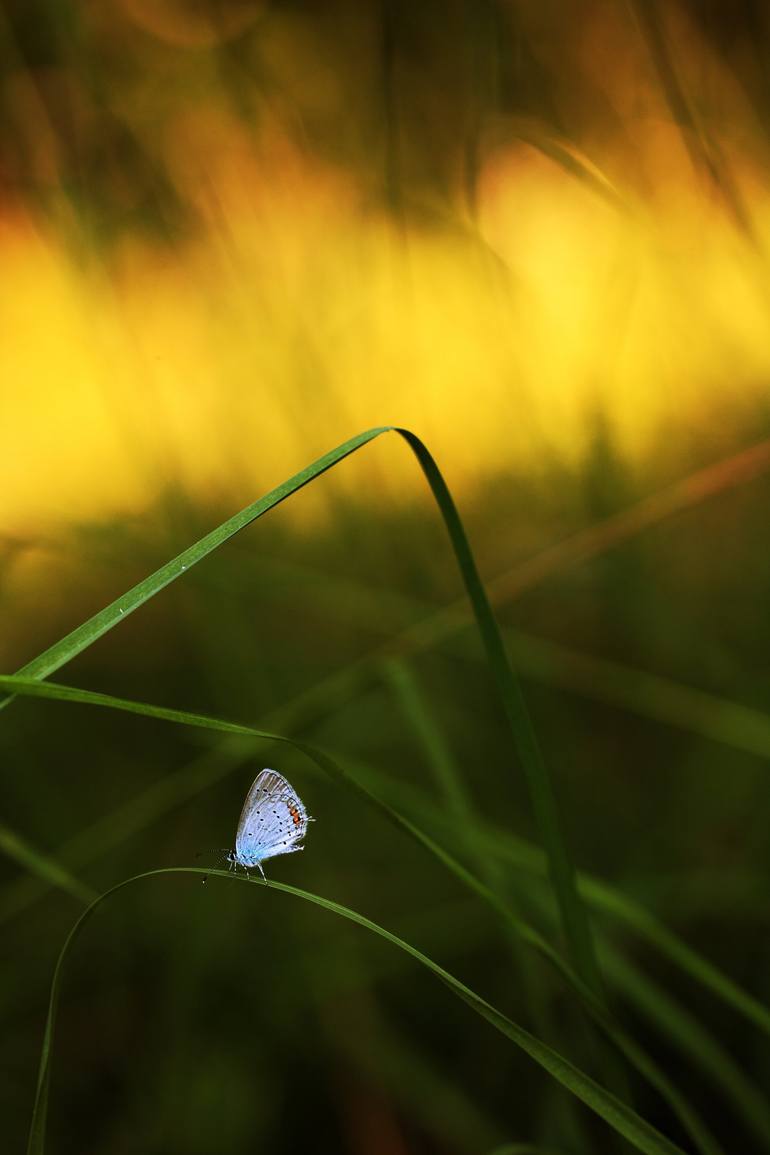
{"x": 261, "y": 871}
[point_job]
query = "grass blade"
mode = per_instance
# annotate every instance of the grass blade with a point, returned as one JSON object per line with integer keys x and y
{"x": 42, "y": 865}
{"x": 561, "y": 869}
{"x": 621, "y": 1118}
{"x": 446, "y": 773}
{"x": 524, "y": 1149}
{"x": 449, "y": 780}
{"x": 95, "y": 627}
{"x": 649, "y": 695}
{"x": 206, "y": 769}
{"x": 628, "y": 1047}
{"x": 601, "y": 897}
{"x": 54, "y": 691}
{"x": 691, "y": 1037}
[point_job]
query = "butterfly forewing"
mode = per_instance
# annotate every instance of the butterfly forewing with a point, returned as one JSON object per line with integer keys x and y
{"x": 273, "y": 820}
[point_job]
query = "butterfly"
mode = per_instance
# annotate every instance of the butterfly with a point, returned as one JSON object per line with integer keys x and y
{"x": 273, "y": 821}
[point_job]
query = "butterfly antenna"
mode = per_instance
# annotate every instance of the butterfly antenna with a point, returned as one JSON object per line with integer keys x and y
{"x": 222, "y": 854}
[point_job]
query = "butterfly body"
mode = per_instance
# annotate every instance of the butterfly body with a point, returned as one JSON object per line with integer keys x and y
{"x": 273, "y": 821}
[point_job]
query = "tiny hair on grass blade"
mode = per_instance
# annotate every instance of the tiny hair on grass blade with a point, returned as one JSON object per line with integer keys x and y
{"x": 625, "y": 1121}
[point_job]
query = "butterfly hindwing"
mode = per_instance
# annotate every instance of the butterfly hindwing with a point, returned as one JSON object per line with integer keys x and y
{"x": 273, "y": 820}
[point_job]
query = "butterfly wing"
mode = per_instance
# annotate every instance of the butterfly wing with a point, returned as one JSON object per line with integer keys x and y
{"x": 273, "y": 820}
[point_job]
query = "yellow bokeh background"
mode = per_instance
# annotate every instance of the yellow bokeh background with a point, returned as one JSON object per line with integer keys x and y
{"x": 612, "y": 278}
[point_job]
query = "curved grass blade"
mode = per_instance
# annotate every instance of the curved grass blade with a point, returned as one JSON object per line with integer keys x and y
{"x": 348, "y": 1009}
{"x": 561, "y": 870}
{"x": 648, "y": 695}
{"x": 669, "y": 1017}
{"x": 614, "y": 903}
{"x": 570, "y": 158}
{"x": 727, "y": 473}
{"x": 54, "y": 691}
{"x": 42, "y": 865}
{"x": 618, "y": 684}
{"x": 95, "y": 627}
{"x": 163, "y": 795}
{"x": 621, "y": 1118}
{"x": 600, "y": 896}
{"x": 628, "y": 1047}
{"x": 524, "y": 1149}
{"x": 446, "y": 773}
{"x": 674, "y": 1022}
{"x": 574, "y": 919}
{"x": 449, "y": 779}
{"x": 607, "y": 900}
{"x": 689, "y": 1035}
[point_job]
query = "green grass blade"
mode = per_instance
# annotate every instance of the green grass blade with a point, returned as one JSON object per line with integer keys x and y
{"x": 674, "y": 1022}
{"x": 451, "y": 785}
{"x": 613, "y": 683}
{"x": 600, "y": 896}
{"x": 648, "y": 695}
{"x": 348, "y": 1005}
{"x": 54, "y": 691}
{"x": 402, "y": 681}
{"x": 692, "y": 1038}
{"x": 621, "y": 1118}
{"x": 90, "y": 631}
{"x": 524, "y": 1149}
{"x": 727, "y": 473}
{"x": 42, "y": 865}
{"x": 614, "y": 903}
{"x": 561, "y": 869}
{"x": 635, "y": 1054}
{"x": 162, "y": 796}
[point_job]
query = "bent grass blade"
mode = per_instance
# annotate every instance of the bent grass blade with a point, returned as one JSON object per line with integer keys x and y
{"x": 616, "y": 1114}
{"x": 635, "y": 1054}
{"x": 42, "y": 865}
{"x": 574, "y": 918}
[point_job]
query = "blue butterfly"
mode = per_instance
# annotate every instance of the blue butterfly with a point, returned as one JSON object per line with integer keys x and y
{"x": 273, "y": 821}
